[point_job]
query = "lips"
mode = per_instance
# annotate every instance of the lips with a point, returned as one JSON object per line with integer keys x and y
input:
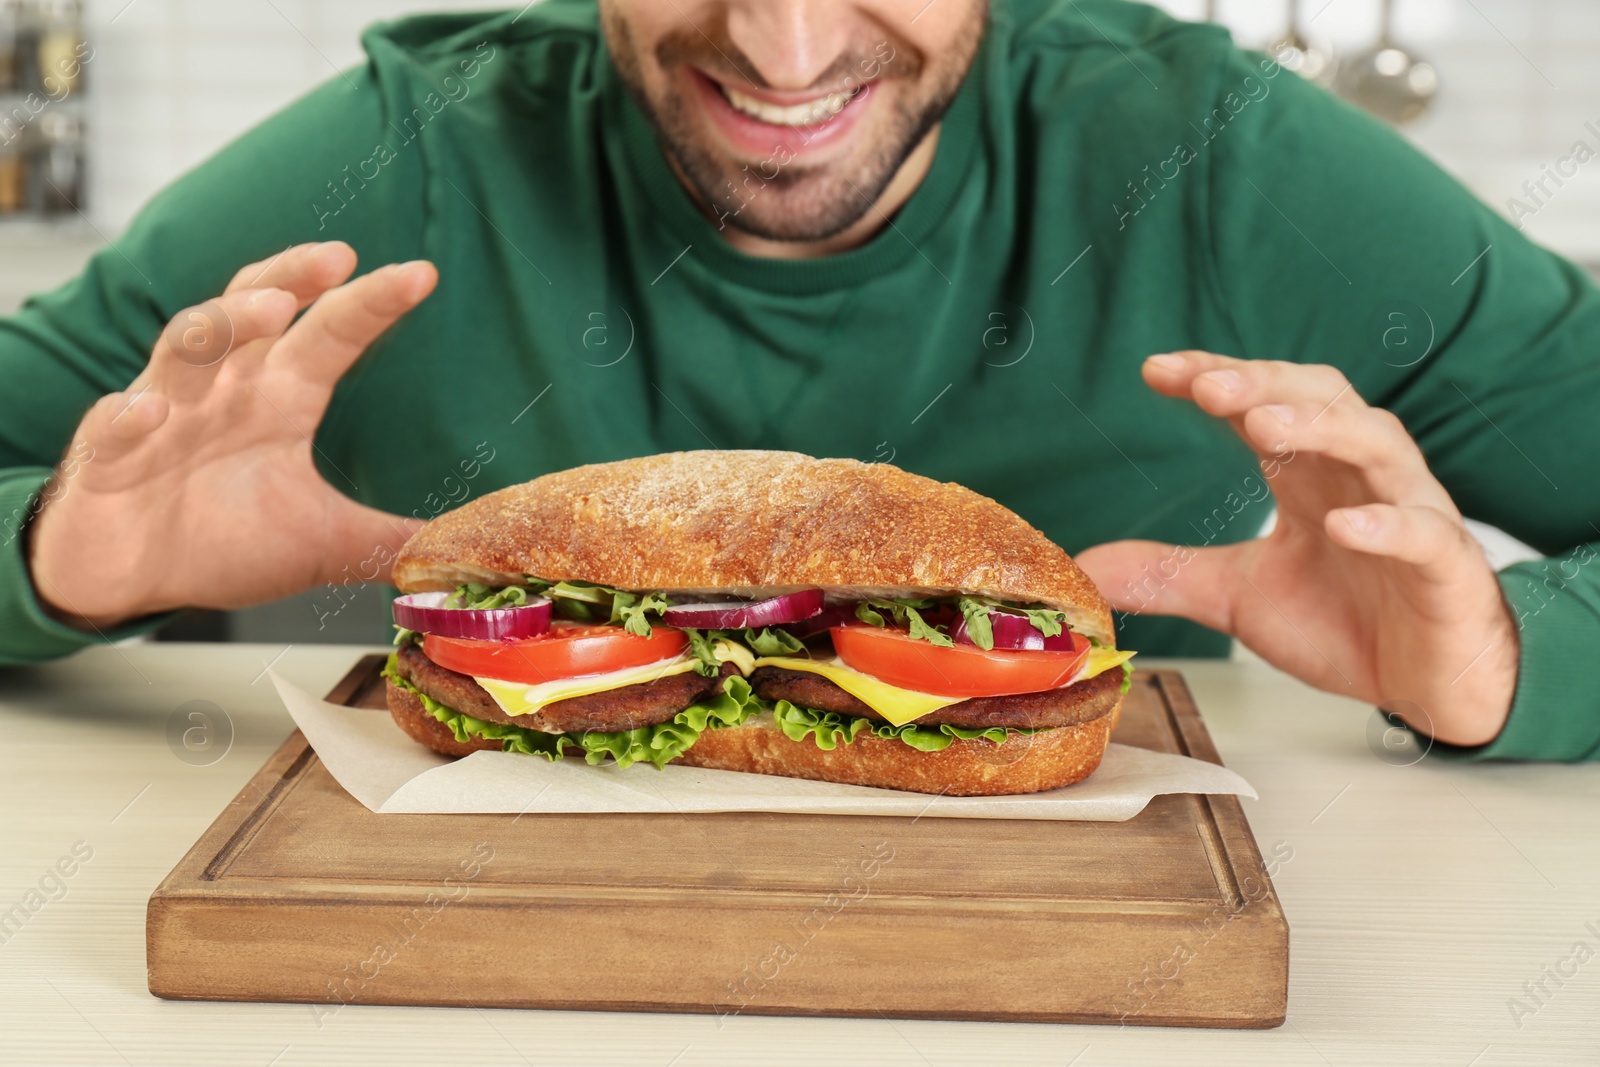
{"x": 759, "y": 126}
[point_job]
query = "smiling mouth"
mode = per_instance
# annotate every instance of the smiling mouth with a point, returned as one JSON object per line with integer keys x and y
{"x": 807, "y": 113}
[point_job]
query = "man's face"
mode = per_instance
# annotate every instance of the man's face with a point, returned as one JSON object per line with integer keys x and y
{"x": 788, "y": 118}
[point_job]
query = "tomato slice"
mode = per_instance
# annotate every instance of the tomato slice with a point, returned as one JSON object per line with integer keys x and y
{"x": 566, "y": 650}
{"x": 894, "y": 656}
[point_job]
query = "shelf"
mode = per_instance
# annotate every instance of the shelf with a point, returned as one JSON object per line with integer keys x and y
{"x": 23, "y": 230}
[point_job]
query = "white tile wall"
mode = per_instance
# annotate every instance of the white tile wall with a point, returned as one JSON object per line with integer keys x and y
{"x": 1519, "y": 80}
{"x": 174, "y": 79}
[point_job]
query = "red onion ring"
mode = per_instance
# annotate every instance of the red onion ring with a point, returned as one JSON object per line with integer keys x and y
{"x": 1016, "y": 632}
{"x": 742, "y": 614}
{"x": 826, "y": 619}
{"x": 423, "y": 612}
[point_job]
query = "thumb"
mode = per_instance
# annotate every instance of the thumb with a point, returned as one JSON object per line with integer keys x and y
{"x": 366, "y": 542}
{"x": 1149, "y": 577}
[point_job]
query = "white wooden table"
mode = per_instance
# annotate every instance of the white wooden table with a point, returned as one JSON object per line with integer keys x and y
{"x": 1424, "y": 900}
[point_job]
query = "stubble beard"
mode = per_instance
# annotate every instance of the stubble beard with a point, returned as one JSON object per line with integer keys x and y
{"x": 790, "y": 201}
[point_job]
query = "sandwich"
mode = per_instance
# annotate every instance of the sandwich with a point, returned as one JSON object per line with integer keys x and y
{"x": 764, "y": 612}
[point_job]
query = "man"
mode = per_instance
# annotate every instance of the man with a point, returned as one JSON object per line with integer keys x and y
{"x": 930, "y": 233}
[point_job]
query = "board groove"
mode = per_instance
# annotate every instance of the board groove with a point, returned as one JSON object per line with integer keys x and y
{"x": 263, "y": 808}
{"x": 298, "y": 893}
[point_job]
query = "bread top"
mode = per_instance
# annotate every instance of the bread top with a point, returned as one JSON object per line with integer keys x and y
{"x": 752, "y": 523}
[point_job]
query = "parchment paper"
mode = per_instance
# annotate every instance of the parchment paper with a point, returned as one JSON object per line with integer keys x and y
{"x": 390, "y": 773}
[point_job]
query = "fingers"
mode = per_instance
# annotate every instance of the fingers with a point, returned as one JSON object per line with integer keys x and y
{"x": 196, "y": 342}
{"x": 342, "y": 323}
{"x": 1151, "y": 578}
{"x": 119, "y": 421}
{"x": 1283, "y": 410}
{"x": 1371, "y": 440}
{"x": 1436, "y": 544}
{"x": 307, "y": 271}
{"x": 1227, "y": 387}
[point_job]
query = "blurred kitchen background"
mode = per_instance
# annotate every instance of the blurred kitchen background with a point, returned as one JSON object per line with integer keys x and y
{"x": 103, "y": 102}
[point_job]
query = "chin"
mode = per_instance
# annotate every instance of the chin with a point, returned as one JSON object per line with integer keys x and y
{"x": 809, "y": 200}
{"x": 796, "y": 215}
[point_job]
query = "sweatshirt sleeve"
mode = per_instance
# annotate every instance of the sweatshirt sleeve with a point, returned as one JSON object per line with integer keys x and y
{"x": 1337, "y": 242}
{"x": 287, "y": 181}
{"x": 1554, "y": 715}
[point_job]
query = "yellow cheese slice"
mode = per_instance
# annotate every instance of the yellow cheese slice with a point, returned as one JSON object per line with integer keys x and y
{"x": 897, "y": 705}
{"x": 1101, "y": 659}
{"x": 900, "y": 706}
{"x": 520, "y": 698}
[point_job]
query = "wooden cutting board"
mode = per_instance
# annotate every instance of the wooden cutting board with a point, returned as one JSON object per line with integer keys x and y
{"x": 298, "y": 893}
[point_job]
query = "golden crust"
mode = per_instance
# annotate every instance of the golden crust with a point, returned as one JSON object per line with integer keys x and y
{"x": 743, "y": 522}
{"x": 1023, "y": 763}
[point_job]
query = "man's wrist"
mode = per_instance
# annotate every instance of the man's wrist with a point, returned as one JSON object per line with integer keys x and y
{"x": 1552, "y": 714}
{"x": 46, "y": 593}
{"x": 1477, "y": 702}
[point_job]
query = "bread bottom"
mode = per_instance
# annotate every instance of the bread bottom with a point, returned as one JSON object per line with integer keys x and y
{"x": 405, "y": 707}
{"x": 1023, "y": 763}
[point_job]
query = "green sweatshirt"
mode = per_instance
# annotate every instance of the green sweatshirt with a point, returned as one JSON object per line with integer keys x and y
{"x": 1109, "y": 183}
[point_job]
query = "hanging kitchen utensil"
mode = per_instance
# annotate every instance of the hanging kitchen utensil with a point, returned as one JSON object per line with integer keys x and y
{"x": 1294, "y": 52}
{"x": 1387, "y": 80}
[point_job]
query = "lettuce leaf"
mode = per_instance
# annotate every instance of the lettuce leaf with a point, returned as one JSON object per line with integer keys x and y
{"x": 979, "y": 628}
{"x": 736, "y": 704}
{"x": 703, "y": 648}
{"x": 587, "y": 602}
{"x": 658, "y": 744}
{"x": 829, "y": 729}
{"x": 480, "y": 597}
{"x": 825, "y": 728}
{"x": 766, "y": 642}
{"x": 580, "y": 601}
{"x": 763, "y": 642}
{"x": 1048, "y": 621}
{"x": 629, "y": 609}
{"x": 905, "y": 612}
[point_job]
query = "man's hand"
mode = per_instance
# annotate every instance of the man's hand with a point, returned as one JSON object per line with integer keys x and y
{"x": 1370, "y": 586}
{"x": 196, "y": 486}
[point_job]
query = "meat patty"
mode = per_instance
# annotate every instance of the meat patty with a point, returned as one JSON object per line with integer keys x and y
{"x": 627, "y": 708}
{"x": 1068, "y": 706}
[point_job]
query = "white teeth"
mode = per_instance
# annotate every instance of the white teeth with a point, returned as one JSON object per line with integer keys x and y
{"x": 807, "y": 114}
